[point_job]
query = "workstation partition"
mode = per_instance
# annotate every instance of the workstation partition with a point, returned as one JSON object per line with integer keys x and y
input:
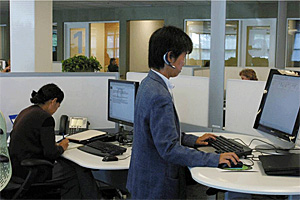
{"x": 85, "y": 95}
{"x": 190, "y": 98}
{"x": 242, "y": 103}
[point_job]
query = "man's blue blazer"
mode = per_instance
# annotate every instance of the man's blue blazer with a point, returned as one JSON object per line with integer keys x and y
{"x": 157, "y": 155}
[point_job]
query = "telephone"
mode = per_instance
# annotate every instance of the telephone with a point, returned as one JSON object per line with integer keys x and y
{"x": 71, "y": 125}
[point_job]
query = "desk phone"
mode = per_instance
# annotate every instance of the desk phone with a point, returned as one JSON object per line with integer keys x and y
{"x": 71, "y": 125}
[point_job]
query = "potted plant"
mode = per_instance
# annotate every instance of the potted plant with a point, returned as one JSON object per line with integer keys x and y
{"x": 80, "y": 63}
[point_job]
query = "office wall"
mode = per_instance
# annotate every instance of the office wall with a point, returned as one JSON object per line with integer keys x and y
{"x": 140, "y": 32}
{"x": 172, "y": 15}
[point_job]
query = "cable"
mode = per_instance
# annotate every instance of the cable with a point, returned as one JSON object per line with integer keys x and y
{"x": 262, "y": 142}
{"x": 125, "y": 158}
{"x": 241, "y": 141}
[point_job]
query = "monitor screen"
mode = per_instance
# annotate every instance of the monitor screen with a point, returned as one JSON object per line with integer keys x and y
{"x": 278, "y": 114}
{"x": 121, "y": 100}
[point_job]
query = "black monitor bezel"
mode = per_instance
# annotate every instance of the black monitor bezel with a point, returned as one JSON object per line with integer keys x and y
{"x": 269, "y": 130}
{"x": 136, "y": 85}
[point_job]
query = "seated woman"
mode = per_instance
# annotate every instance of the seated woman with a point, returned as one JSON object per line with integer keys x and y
{"x": 33, "y": 136}
{"x": 248, "y": 74}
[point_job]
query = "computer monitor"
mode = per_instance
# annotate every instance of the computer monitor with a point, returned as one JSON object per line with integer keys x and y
{"x": 278, "y": 114}
{"x": 121, "y": 100}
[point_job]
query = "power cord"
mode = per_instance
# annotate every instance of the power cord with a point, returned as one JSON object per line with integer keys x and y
{"x": 125, "y": 158}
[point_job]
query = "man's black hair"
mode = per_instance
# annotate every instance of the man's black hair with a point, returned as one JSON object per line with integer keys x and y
{"x": 167, "y": 39}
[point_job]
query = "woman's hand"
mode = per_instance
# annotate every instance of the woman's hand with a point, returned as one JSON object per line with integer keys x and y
{"x": 64, "y": 143}
{"x": 202, "y": 139}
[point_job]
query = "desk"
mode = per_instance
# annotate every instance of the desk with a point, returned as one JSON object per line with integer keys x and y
{"x": 113, "y": 173}
{"x": 95, "y": 162}
{"x": 254, "y": 182}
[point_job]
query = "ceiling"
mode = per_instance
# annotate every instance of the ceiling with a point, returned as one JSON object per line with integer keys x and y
{"x": 57, "y": 5}
{"x": 92, "y": 4}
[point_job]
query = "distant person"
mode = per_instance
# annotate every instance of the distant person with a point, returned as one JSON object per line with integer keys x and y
{"x": 33, "y": 136}
{"x": 248, "y": 74}
{"x": 7, "y": 66}
{"x": 113, "y": 67}
{"x": 207, "y": 64}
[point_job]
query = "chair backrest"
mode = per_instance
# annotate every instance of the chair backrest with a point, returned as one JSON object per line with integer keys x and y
{"x": 5, "y": 165}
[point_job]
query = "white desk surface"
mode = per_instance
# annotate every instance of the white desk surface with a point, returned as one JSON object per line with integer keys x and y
{"x": 253, "y": 182}
{"x": 95, "y": 162}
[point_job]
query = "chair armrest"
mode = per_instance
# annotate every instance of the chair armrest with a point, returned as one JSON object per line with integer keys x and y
{"x": 35, "y": 162}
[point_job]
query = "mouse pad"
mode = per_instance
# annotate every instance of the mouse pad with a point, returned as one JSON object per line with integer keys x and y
{"x": 244, "y": 168}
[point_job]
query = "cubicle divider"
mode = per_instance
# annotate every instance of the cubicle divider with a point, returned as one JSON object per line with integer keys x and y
{"x": 242, "y": 103}
{"x": 85, "y": 95}
{"x": 190, "y": 97}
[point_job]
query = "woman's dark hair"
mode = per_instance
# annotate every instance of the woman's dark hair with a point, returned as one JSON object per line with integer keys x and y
{"x": 167, "y": 39}
{"x": 111, "y": 60}
{"x": 47, "y": 92}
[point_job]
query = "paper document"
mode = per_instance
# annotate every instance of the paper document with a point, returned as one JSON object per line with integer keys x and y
{"x": 86, "y": 135}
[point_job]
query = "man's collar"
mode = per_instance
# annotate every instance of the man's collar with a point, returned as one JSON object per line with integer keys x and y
{"x": 167, "y": 81}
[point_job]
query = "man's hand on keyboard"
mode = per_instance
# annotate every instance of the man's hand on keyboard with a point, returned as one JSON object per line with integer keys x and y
{"x": 202, "y": 140}
{"x": 226, "y": 157}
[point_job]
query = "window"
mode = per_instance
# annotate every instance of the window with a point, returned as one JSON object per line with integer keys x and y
{"x": 2, "y": 41}
{"x": 112, "y": 41}
{"x": 258, "y": 46}
{"x": 200, "y": 33}
{"x": 293, "y": 43}
{"x": 54, "y": 41}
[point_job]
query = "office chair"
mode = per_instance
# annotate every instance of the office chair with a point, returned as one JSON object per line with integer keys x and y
{"x": 14, "y": 187}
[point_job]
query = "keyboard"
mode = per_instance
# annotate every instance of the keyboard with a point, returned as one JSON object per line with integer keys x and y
{"x": 100, "y": 148}
{"x": 223, "y": 145}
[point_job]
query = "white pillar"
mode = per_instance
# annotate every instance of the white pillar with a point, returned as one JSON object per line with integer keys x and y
{"x": 281, "y": 34}
{"x": 217, "y": 63}
{"x": 31, "y": 35}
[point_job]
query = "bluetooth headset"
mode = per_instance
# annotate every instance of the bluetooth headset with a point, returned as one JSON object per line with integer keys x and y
{"x": 166, "y": 60}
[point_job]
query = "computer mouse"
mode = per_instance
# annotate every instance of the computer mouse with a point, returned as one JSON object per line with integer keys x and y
{"x": 110, "y": 158}
{"x": 4, "y": 158}
{"x": 224, "y": 165}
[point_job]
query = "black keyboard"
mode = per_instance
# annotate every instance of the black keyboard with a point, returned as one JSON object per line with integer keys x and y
{"x": 100, "y": 148}
{"x": 223, "y": 145}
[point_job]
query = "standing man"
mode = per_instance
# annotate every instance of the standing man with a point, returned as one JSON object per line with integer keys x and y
{"x": 160, "y": 150}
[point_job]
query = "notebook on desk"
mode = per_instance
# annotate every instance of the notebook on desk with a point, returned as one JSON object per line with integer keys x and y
{"x": 281, "y": 165}
{"x": 87, "y": 136}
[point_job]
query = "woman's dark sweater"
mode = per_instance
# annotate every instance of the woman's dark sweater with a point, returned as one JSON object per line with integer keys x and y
{"x": 33, "y": 137}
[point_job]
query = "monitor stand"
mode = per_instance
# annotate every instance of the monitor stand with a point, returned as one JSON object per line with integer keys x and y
{"x": 124, "y": 136}
{"x": 267, "y": 149}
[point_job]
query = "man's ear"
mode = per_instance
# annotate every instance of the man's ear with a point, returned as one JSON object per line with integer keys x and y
{"x": 54, "y": 100}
